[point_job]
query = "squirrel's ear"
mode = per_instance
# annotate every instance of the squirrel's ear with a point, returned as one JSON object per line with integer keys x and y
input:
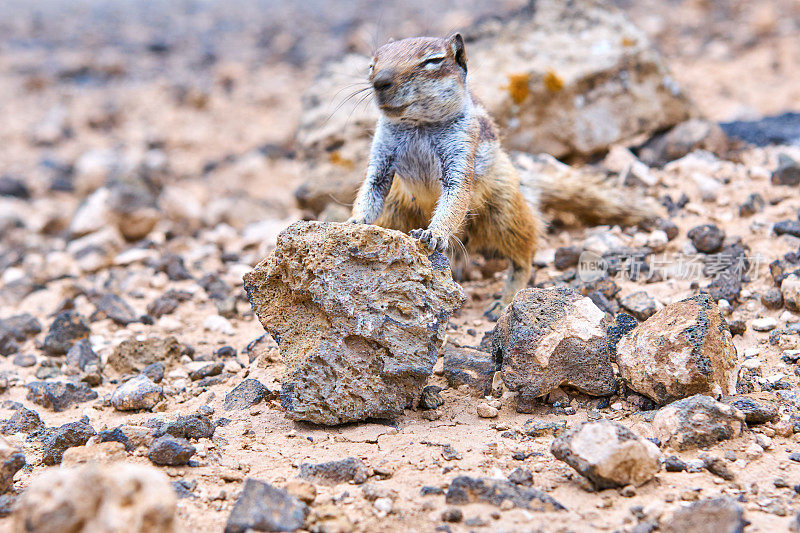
{"x": 456, "y": 43}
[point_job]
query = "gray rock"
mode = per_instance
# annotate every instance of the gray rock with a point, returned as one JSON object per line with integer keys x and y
{"x": 335, "y": 472}
{"x": 211, "y": 369}
{"x": 787, "y": 227}
{"x": 541, "y": 428}
{"x": 263, "y": 507}
{"x": 136, "y": 394}
{"x": 465, "y": 489}
{"x": 686, "y": 137}
{"x": 80, "y": 355}
{"x": 754, "y": 204}
{"x": 697, "y": 422}
{"x": 712, "y": 515}
{"x": 23, "y": 420}
{"x": 114, "y": 307}
{"x": 787, "y": 173}
{"x": 246, "y": 394}
{"x": 521, "y": 476}
{"x": 154, "y": 371}
{"x": 754, "y": 412}
{"x": 170, "y": 451}
{"x": 167, "y": 302}
{"x": 67, "y": 328}
{"x": 707, "y": 238}
{"x": 11, "y": 461}
{"x": 356, "y": 345}
{"x": 66, "y": 436}
{"x": 772, "y": 299}
{"x": 189, "y": 427}
{"x": 24, "y": 360}
{"x": 684, "y": 349}
{"x": 674, "y": 463}
{"x": 777, "y": 129}
{"x": 15, "y": 330}
{"x": 547, "y": 338}
{"x": 59, "y": 396}
{"x": 14, "y": 187}
{"x": 608, "y": 454}
{"x": 465, "y": 366}
{"x": 639, "y": 304}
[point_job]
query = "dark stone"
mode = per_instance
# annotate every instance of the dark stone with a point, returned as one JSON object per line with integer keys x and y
{"x": 787, "y": 227}
{"x": 567, "y": 257}
{"x": 59, "y": 396}
{"x": 754, "y": 412}
{"x": 116, "y": 435}
{"x": 607, "y": 306}
{"x": 211, "y": 369}
{"x": 67, "y": 328}
{"x": 17, "y": 329}
{"x": 624, "y": 324}
{"x": 540, "y": 428}
{"x": 772, "y": 299}
{"x": 170, "y": 451}
{"x": 8, "y": 503}
{"x": 246, "y": 394}
{"x": 334, "y": 472}
{"x": 263, "y": 507}
{"x": 776, "y": 129}
{"x": 668, "y": 227}
{"x": 605, "y": 285}
{"x": 754, "y": 204}
{"x": 14, "y": 187}
{"x": 167, "y": 302}
{"x": 23, "y": 420}
{"x": 81, "y": 354}
{"x": 114, "y": 307}
{"x": 189, "y": 427}
{"x": 717, "y": 466}
{"x": 466, "y": 366}
{"x": 674, "y": 463}
{"x": 707, "y": 238}
{"x": 464, "y": 489}
{"x": 67, "y": 436}
{"x": 452, "y": 515}
{"x": 433, "y": 491}
{"x": 787, "y": 173}
{"x": 430, "y": 397}
{"x": 725, "y": 286}
{"x": 640, "y": 304}
{"x": 24, "y": 360}
{"x": 154, "y": 371}
{"x": 737, "y": 326}
{"x": 521, "y": 476}
{"x": 224, "y": 352}
{"x": 174, "y": 267}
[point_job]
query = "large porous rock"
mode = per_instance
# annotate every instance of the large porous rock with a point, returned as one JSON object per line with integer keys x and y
{"x": 684, "y": 349}
{"x": 359, "y": 314}
{"x": 263, "y": 507}
{"x": 121, "y": 497}
{"x": 59, "y": 396}
{"x": 547, "y": 338}
{"x": 697, "y": 422}
{"x": 608, "y": 454}
{"x": 565, "y": 78}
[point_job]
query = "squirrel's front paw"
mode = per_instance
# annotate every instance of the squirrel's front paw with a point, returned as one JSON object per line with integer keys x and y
{"x": 355, "y": 220}
{"x": 435, "y": 241}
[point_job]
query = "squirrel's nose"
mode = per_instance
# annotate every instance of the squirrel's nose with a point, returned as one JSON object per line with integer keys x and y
{"x": 382, "y": 80}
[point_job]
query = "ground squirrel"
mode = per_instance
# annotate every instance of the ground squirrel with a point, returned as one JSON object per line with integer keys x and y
{"x": 436, "y": 167}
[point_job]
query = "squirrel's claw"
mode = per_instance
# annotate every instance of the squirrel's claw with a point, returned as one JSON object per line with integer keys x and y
{"x": 434, "y": 241}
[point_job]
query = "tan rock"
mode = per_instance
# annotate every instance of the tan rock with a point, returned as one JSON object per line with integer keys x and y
{"x": 697, "y": 422}
{"x": 359, "y": 314}
{"x": 684, "y": 349}
{"x": 102, "y": 452}
{"x": 122, "y": 497}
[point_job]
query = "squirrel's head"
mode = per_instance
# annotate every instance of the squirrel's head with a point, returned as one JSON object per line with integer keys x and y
{"x": 423, "y": 79}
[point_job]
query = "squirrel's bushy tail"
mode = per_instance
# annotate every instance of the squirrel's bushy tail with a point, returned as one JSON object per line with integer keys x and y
{"x": 588, "y": 198}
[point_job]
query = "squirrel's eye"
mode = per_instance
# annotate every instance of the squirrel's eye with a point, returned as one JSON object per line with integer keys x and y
{"x": 432, "y": 61}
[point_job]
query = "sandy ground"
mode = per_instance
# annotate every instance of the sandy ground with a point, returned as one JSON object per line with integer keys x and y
{"x": 740, "y": 63}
